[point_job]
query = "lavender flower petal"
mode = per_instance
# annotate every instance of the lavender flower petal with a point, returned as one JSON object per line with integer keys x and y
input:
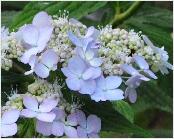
{"x": 44, "y": 128}
{"x": 47, "y": 105}
{"x": 28, "y": 113}
{"x": 93, "y": 124}
{"x": 113, "y": 82}
{"x": 8, "y": 130}
{"x": 141, "y": 62}
{"x": 46, "y": 117}
{"x": 10, "y": 117}
{"x": 41, "y": 19}
{"x": 70, "y": 132}
{"x": 41, "y": 70}
{"x": 57, "y": 128}
{"x": 30, "y": 103}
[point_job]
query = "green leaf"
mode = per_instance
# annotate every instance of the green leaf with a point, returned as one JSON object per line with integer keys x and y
{"x": 26, "y": 128}
{"x": 151, "y": 96}
{"x": 125, "y": 109}
{"x": 8, "y": 77}
{"x": 113, "y": 120}
{"x": 76, "y": 10}
{"x": 7, "y": 17}
{"x": 162, "y": 133}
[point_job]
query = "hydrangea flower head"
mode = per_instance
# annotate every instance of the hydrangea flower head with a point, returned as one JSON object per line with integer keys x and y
{"x": 80, "y": 77}
{"x": 106, "y": 89}
{"x": 8, "y": 125}
{"x": 42, "y": 112}
{"x": 60, "y": 125}
{"x": 88, "y": 127}
{"x": 43, "y": 64}
{"x": 36, "y": 35}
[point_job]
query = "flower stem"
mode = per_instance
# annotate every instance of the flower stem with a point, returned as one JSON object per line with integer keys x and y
{"x": 120, "y": 17}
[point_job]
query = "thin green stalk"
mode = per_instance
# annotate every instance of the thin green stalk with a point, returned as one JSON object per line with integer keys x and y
{"x": 120, "y": 17}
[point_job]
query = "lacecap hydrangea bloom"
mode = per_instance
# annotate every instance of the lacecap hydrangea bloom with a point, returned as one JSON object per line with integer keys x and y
{"x": 106, "y": 64}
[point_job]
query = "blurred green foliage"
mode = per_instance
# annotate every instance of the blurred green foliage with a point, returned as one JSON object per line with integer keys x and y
{"x": 152, "y": 114}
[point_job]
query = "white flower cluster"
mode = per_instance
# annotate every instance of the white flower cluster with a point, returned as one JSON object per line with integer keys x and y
{"x": 117, "y": 47}
{"x": 10, "y": 48}
{"x": 14, "y": 101}
{"x": 41, "y": 89}
{"x": 6, "y": 62}
{"x": 59, "y": 40}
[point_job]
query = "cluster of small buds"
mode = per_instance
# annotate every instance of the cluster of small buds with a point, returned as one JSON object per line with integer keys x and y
{"x": 117, "y": 47}
{"x": 59, "y": 40}
{"x": 41, "y": 89}
{"x": 15, "y": 47}
{"x": 6, "y": 63}
{"x": 14, "y": 101}
{"x": 148, "y": 53}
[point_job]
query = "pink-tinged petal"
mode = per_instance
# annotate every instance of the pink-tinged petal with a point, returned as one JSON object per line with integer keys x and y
{"x": 27, "y": 55}
{"x": 81, "y": 118}
{"x": 28, "y": 113}
{"x": 60, "y": 113}
{"x": 68, "y": 73}
{"x": 44, "y": 128}
{"x": 46, "y": 117}
{"x": 93, "y": 135}
{"x": 48, "y": 104}
{"x": 8, "y": 130}
{"x": 132, "y": 94}
{"x": 113, "y": 82}
{"x": 70, "y": 132}
{"x": 30, "y": 103}
{"x": 30, "y": 35}
{"x": 93, "y": 124}
{"x": 115, "y": 94}
{"x": 73, "y": 83}
{"x": 151, "y": 74}
{"x": 57, "y": 128}
{"x": 41, "y": 70}
{"x": 72, "y": 119}
{"x": 87, "y": 87}
{"x": 96, "y": 62}
{"x": 129, "y": 69}
{"x": 141, "y": 62}
{"x": 76, "y": 65}
{"x": 41, "y": 20}
{"x": 81, "y": 132}
{"x": 44, "y": 37}
{"x": 91, "y": 73}
{"x": 10, "y": 117}
{"x": 49, "y": 58}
